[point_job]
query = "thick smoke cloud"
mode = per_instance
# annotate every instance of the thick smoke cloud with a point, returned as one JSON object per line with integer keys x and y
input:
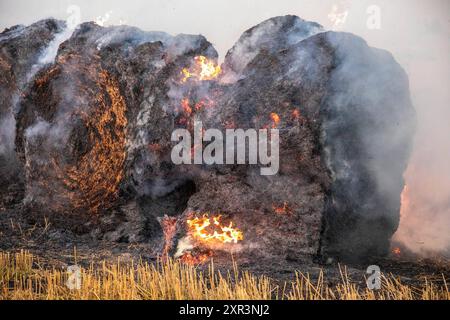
{"x": 425, "y": 216}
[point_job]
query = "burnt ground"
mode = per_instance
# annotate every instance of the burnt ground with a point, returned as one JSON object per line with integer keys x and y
{"x": 58, "y": 248}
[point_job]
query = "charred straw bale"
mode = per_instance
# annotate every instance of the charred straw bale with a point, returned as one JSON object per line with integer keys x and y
{"x": 93, "y": 131}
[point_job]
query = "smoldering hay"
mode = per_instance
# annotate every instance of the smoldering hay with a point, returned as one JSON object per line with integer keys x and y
{"x": 93, "y": 127}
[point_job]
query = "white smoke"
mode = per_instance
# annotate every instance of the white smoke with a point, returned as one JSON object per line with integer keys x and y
{"x": 424, "y": 53}
{"x": 247, "y": 47}
{"x": 40, "y": 127}
{"x": 7, "y": 125}
{"x": 425, "y": 212}
{"x": 121, "y": 34}
{"x": 48, "y": 55}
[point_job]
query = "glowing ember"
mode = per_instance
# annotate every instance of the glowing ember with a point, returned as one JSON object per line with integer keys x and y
{"x": 155, "y": 147}
{"x": 203, "y": 103}
{"x": 193, "y": 259}
{"x": 275, "y": 119}
{"x": 186, "y": 107}
{"x": 203, "y": 69}
{"x": 168, "y": 225}
{"x": 283, "y": 209}
{"x": 94, "y": 180}
{"x": 396, "y": 251}
{"x": 208, "y": 229}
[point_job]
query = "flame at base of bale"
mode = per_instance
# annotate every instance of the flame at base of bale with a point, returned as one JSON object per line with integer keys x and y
{"x": 196, "y": 257}
{"x": 210, "y": 229}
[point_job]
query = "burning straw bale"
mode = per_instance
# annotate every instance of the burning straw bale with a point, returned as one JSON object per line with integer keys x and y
{"x": 94, "y": 133}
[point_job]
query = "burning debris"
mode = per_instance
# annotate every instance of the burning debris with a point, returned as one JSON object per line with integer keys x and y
{"x": 275, "y": 120}
{"x": 94, "y": 128}
{"x": 210, "y": 229}
{"x": 196, "y": 258}
{"x": 202, "y": 69}
{"x": 282, "y": 209}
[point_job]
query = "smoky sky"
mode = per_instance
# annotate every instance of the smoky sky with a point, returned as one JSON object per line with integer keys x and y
{"x": 416, "y": 32}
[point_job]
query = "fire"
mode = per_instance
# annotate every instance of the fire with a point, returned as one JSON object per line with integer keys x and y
{"x": 210, "y": 229}
{"x": 203, "y": 69}
{"x": 275, "y": 120}
{"x": 188, "y": 108}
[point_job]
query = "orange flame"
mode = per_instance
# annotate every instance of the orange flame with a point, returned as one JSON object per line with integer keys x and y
{"x": 275, "y": 119}
{"x": 203, "y": 69}
{"x": 188, "y": 108}
{"x": 208, "y": 229}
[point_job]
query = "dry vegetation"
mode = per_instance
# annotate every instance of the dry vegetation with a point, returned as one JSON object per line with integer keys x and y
{"x": 22, "y": 277}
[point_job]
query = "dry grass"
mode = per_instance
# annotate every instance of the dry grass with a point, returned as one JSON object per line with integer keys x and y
{"x": 21, "y": 277}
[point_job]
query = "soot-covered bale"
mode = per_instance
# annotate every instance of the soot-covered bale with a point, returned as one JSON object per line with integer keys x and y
{"x": 21, "y": 54}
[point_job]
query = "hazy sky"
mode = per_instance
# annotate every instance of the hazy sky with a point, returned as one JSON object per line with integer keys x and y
{"x": 222, "y": 21}
{"x": 416, "y": 32}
